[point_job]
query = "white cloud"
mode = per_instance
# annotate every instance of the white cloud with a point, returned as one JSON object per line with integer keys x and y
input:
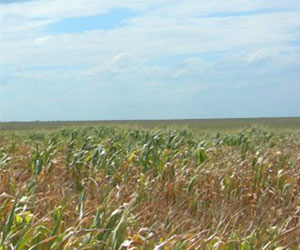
{"x": 133, "y": 54}
{"x": 42, "y": 40}
{"x": 121, "y": 61}
{"x": 191, "y": 67}
{"x": 145, "y": 38}
{"x": 30, "y": 15}
{"x": 190, "y": 8}
{"x": 68, "y": 8}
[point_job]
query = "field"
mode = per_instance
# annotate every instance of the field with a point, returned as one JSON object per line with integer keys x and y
{"x": 211, "y": 184}
{"x": 199, "y": 124}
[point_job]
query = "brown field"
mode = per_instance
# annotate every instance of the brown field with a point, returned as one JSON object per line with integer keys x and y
{"x": 119, "y": 186}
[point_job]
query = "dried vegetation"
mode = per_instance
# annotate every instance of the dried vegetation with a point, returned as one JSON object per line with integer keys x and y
{"x": 124, "y": 188}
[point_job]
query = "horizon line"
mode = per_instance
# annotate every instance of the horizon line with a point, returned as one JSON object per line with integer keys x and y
{"x": 166, "y": 119}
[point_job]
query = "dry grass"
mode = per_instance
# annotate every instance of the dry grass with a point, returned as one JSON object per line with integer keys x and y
{"x": 110, "y": 188}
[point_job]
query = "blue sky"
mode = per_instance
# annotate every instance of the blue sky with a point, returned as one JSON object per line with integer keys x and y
{"x": 141, "y": 59}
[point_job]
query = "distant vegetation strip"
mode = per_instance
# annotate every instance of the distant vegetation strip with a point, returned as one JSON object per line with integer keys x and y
{"x": 215, "y": 124}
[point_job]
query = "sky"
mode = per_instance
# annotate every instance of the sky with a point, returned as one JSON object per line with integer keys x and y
{"x": 148, "y": 59}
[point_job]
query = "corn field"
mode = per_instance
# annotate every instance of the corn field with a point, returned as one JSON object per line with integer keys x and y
{"x": 108, "y": 187}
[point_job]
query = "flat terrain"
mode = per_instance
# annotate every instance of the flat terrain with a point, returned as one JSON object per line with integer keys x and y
{"x": 203, "y": 124}
{"x": 196, "y": 184}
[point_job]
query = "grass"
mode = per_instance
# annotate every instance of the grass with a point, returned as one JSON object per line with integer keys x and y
{"x": 122, "y": 187}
